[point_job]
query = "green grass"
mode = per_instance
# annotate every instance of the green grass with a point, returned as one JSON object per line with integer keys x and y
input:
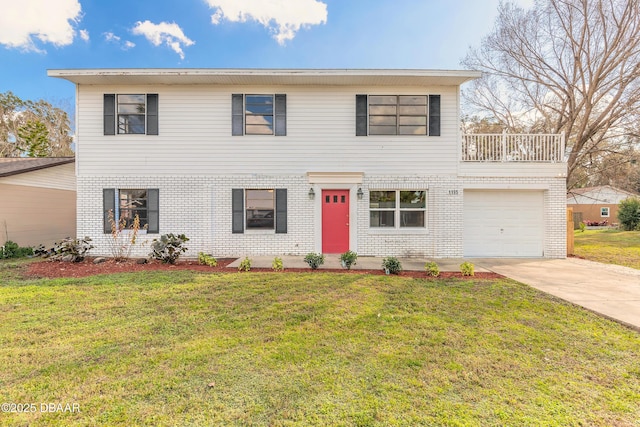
{"x": 609, "y": 246}
{"x": 269, "y": 349}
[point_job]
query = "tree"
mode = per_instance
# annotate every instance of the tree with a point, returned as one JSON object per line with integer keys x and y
{"x": 28, "y": 119}
{"x": 563, "y": 66}
{"x": 33, "y": 139}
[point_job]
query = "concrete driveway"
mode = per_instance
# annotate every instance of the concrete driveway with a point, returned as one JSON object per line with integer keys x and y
{"x": 610, "y": 290}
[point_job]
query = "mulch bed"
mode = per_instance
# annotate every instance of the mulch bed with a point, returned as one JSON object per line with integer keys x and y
{"x": 54, "y": 269}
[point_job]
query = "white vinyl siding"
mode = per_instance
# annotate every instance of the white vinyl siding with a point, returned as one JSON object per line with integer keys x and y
{"x": 196, "y": 135}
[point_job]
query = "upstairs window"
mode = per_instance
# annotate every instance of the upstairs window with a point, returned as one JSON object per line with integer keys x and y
{"x": 397, "y": 209}
{"x": 130, "y": 114}
{"x": 398, "y": 115}
{"x": 259, "y": 114}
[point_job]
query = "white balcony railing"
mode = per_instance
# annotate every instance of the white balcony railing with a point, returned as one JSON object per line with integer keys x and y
{"x": 541, "y": 148}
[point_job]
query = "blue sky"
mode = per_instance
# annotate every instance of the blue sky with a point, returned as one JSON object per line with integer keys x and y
{"x": 36, "y": 35}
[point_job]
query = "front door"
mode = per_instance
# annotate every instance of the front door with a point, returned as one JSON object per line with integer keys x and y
{"x": 335, "y": 221}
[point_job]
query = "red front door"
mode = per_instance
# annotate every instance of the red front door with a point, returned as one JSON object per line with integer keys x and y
{"x": 335, "y": 221}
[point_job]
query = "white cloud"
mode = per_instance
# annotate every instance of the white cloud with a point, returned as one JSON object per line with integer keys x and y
{"x": 283, "y": 18}
{"x": 112, "y": 38}
{"x": 50, "y": 21}
{"x": 84, "y": 35}
{"x": 168, "y": 33}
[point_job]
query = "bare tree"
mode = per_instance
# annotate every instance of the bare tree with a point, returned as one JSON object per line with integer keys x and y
{"x": 563, "y": 66}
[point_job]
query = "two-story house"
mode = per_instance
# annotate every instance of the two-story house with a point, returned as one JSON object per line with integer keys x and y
{"x": 267, "y": 161}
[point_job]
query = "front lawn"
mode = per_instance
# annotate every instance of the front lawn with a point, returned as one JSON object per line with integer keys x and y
{"x": 273, "y": 349}
{"x": 609, "y": 246}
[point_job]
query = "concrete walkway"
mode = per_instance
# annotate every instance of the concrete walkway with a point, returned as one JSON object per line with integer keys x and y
{"x": 363, "y": 263}
{"x": 609, "y": 290}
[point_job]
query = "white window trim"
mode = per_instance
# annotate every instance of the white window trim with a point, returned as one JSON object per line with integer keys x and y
{"x": 397, "y": 229}
{"x": 608, "y": 212}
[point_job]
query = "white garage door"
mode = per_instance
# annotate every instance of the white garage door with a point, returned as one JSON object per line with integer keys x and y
{"x": 503, "y": 223}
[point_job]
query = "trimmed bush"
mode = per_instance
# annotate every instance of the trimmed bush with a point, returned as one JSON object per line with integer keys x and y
{"x": 391, "y": 265}
{"x": 314, "y": 260}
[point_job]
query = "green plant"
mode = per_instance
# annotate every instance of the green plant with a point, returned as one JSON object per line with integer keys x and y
{"x": 168, "y": 247}
{"x": 466, "y": 268}
{"x": 314, "y": 260}
{"x": 245, "y": 265}
{"x": 71, "y": 250}
{"x": 391, "y": 265}
{"x": 12, "y": 250}
{"x": 204, "y": 259}
{"x": 348, "y": 259}
{"x": 582, "y": 226}
{"x": 432, "y": 269}
{"x": 277, "y": 264}
{"x": 629, "y": 214}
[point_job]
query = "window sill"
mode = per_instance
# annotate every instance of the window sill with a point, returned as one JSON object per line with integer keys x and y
{"x": 248, "y": 231}
{"x": 398, "y": 231}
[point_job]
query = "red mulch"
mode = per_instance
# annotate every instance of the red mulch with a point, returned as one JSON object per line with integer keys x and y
{"x": 53, "y": 269}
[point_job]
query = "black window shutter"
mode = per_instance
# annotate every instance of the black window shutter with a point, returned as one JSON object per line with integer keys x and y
{"x": 152, "y": 114}
{"x": 361, "y": 115}
{"x": 109, "y": 114}
{"x": 237, "y": 207}
{"x": 281, "y": 115}
{"x": 434, "y": 115}
{"x": 237, "y": 114}
{"x": 281, "y": 210}
{"x": 153, "y": 210}
{"x": 108, "y": 204}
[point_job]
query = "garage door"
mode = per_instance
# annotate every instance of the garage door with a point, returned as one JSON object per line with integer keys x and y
{"x": 503, "y": 223}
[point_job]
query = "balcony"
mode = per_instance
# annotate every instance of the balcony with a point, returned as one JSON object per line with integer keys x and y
{"x": 519, "y": 148}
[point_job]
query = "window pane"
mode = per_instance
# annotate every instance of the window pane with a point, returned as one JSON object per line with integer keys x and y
{"x": 259, "y": 99}
{"x": 382, "y": 110}
{"x": 132, "y": 203}
{"x": 382, "y": 120}
{"x": 260, "y": 209}
{"x": 413, "y": 120}
{"x": 413, "y": 100}
{"x": 259, "y": 130}
{"x": 383, "y": 99}
{"x": 411, "y": 218}
{"x": 412, "y": 110}
{"x": 260, "y": 120}
{"x": 382, "y": 130}
{"x": 259, "y": 109}
{"x": 131, "y": 108}
{"x": 382, "y": 219}
{"x": 382, "y": 199}
{"x": 131, "y": 124}
{"x": 412, "y": 130}
{"x": 413, "y": 199}
{"x": 131, "y": 99}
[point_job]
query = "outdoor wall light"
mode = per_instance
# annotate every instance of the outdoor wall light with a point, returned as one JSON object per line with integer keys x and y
{"x": 312, "y": 194}
{"x": 360, "y": 193}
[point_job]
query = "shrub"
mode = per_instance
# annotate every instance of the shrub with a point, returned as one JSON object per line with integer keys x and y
{"x": 71, "y": 250}
{"x": 582, "y": 226}
{"x": 121, "y": 239}
{"x": 204, "y": 259}
{"x": 277, "y": 264}
{"x": 314, "y": 260}
{"x": 12, "y": 250}
{"x": 432, "y": 269}
{"x": 466, "y": 268}
{"x": 391, "y": 265}
{"x": 629, "y": 214}
{"x": 348, "y": 259}
{"x": 245, "y": 265}
{"x": 168, "y": 247}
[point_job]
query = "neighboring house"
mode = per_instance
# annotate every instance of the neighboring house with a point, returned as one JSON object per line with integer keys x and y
{"x": 597, "y": 203}
{"x": 248, "y": 162}
{"x": 37, "y": 200}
